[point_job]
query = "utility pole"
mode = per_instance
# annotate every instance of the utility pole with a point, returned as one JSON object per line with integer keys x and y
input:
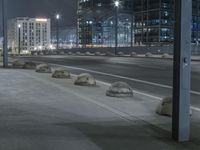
{"x": 5, "y": 48}
{"x": 182, "y": 70}
{"x": 19, "y": 39}
{"x": 117, "y": 4}
{"x": 132, "y": 19}
{"x": 57, "y": 30}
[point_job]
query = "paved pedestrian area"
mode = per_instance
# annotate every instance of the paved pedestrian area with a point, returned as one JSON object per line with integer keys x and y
{"x": 41, "y": 113}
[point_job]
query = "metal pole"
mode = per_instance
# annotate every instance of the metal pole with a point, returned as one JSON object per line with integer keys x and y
{"x": 182, "y": 69}
{"x": 132, "y": 25}
{"x": 19, "y": 44}
{"x": 116, "y": 29}
{"x": 132, "y": 30}
{"x": 5, "y": 49}
{"x": 57, "y": 35}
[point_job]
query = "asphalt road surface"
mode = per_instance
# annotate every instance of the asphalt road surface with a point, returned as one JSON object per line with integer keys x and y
{"x": 149, "y": 75}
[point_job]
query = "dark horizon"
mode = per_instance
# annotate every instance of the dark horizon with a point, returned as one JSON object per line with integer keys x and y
{"x": 43, "y": 8}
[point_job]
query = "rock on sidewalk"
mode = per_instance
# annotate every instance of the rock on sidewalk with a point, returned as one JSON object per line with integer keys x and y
{"x": 18, "y": 64}
{"x": 120, "y": 53}
{"x": 148, "y": 54}
{"x": 43, "y": 68}
{"x": 133, "y": 54}
{"x": 85, "y": 79}
{"x": 98, "y": 54}
{"x": 29, "y": 65}
{"x": 165, "y": 55}
{"x": 165, "y": 107}
{"x": 120, "y": 89}
{"x": 61, "y": 73}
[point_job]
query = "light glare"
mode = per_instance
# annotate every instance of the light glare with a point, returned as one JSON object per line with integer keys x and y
{"x": 41, "y": 19}
{"x": 58, "y": 16}
{"x": 117, "y": 3}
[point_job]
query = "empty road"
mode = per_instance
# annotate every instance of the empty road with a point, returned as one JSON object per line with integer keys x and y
{"x": 148, "y": 75}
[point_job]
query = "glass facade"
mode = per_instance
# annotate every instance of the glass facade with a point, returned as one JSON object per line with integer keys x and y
{"x": 196, "y": 21}
{"x": 96, "y": 23}
{"x": 151, "y": 22}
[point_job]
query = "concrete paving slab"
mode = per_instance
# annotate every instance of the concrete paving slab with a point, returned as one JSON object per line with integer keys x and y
{"x": 38, "y": 112}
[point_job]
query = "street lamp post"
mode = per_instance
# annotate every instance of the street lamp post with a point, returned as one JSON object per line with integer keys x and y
{"x": 19, "y": 38}
{"x": 57, "y": 30}
{"x": 116, "y": 3}
{"x": 132, "y": 19}
{"x": 4, "y": 22}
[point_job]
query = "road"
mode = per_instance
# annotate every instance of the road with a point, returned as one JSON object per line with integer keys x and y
{"x": 151, "y": 76}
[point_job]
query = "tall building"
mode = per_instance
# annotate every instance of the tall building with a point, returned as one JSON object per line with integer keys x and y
{"x": 153, "y": 22}
{"x": 97, "y": 21}
{"x": 196, "y": 21}
{"x": 67, "y": 37}
{"x": 28, "y": 34}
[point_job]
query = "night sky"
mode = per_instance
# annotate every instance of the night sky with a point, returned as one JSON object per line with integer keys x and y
{"x": 44, "y": 8}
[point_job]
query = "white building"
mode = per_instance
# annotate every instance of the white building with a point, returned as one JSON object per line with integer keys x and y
{"x": 28, "y": 34}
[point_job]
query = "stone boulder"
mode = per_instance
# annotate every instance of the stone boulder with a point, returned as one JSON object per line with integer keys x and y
{"x": 89, "y": 53}
{"x": 110, "y": 54}
{"x": 98, "y": 54}
{"x": 120, "y": 53}
{"x": 40, "y": 53}
{"x": 18, "y": 64}
{"x": 43, "y": 68}
{"x": 133, "y": 54}
{"x": 165, "y": 55}
{"x": 78, "y": 53}
{"x": 62, "y": 53}
{"x": 69, "y": 53}
{"x": 148, "y": 54}
{"x": 165, "y": 108}
{"x": 120, "y": 89}
{"x": 103, "y": 54}
{"x": 85, "y": 79}
{"x": 61, "y": 73}
{"x": 29, "y": 65}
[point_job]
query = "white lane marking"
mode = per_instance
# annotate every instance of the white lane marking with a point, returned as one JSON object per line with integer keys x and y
{"x": 122, "y": 77}
{"x": 195, "y": 108}
{"x": 138, "y": 92}
{"x": 117, "y": 76}
{"x": 147, "y": 95}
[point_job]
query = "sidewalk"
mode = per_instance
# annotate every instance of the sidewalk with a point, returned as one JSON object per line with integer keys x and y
{"x": 41, "y": 113}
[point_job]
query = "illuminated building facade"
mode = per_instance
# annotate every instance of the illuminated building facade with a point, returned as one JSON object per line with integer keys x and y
{"x": 29, "y": 34}
{"x": 196, "y": 21}
{"x": 97, "y": 21}
{"x": 152, "y": 21}
{"x": 67, "y": 37}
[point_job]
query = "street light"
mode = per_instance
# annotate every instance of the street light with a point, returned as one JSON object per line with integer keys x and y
{"x": 116, "y": 4}
{"x": 57, "y": 36}
{"x": 4, "y": 27}
{"x": 19, "y": 38}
